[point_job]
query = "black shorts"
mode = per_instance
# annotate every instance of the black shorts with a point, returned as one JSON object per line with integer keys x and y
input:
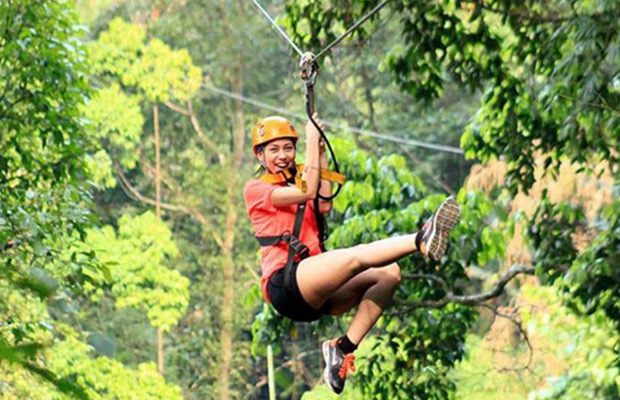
{"x": 289, "y": 302}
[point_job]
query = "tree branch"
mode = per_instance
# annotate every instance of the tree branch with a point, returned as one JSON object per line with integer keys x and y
{"x": 471, "y": 299}
{"x": 431, "y": 277}
{"x": 177, "y": 108}
{"x": 201, "y": 135}
{"x": 423, "y": 169}
{"x": 189, "y": 111}
{"x": 522, "y": 332}
{"x": 133, "y": 193}
{"x": 601, "y": 106}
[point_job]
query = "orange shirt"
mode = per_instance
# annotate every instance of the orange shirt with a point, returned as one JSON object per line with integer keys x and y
{"x": 269, "y": 220}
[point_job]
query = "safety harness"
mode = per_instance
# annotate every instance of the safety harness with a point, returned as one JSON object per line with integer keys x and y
{"x": 294, "y": 176}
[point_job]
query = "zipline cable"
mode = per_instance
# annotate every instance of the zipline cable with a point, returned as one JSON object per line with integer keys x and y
{"x": 278, "y": 28}
{"x": 352, "y": 28}
{"x": 335, "y": 125}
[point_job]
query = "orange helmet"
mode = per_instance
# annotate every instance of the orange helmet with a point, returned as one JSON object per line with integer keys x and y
{"x": 272, "y": 128}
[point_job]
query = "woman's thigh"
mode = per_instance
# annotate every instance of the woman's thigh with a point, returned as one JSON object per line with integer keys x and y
{"x": 318, "y": 277}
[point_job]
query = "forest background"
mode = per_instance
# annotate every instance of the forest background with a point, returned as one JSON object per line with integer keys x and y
{"x": 108, "y": 108}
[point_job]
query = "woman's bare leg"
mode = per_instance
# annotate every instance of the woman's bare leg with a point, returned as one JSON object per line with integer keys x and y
{"x": 319, "y": 277}
{"x": 372, "y": 290}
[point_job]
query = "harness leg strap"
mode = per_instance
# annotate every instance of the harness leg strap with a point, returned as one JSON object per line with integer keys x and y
{"x": 299, "y": 218}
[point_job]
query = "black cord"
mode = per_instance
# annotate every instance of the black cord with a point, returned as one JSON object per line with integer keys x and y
{"x": 309, "y": 111}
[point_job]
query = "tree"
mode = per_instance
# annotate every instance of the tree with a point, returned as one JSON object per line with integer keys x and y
{"x": 550, "y": 76}
{"x": 43, "y": 202}
{"x": 139, "y": 278}
{"x": 159, "y": 73}
{"x": 44, "y": 214}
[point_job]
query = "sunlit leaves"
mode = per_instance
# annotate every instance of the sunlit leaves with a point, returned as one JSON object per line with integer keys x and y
{"x": 164, "y": 74}
{"x": 116, "y": 48}
{"x": 136, "y": 256}
{"x": 160, "y": 73}
{"x": 76, "y": 373}
{"x": 116, "y": 120}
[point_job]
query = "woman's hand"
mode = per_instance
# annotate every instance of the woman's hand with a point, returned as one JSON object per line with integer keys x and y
{"x": 313, "y": 134}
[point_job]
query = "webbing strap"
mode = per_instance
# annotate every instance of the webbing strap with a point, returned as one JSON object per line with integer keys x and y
{"x": 297, "y": 177}
{"x": 300, "y": 248}
{"x": 269, "y": 240}
{"x": 299, "y": 218}
{"x": 321, "y": 224}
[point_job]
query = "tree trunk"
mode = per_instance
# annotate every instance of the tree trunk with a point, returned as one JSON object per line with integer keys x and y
{"x": 160, "y": 335}
{"x": 227, "y": 332}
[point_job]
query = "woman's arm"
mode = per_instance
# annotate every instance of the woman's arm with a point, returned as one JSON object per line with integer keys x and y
{"x": 285, "y": 196}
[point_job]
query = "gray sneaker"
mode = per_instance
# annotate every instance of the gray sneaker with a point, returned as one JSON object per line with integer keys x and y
{"x": 337, "y": 364}
{"x": 436, "y": 230}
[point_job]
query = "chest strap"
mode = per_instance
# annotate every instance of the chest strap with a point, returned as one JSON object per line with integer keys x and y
{"x": 294, "y": 176}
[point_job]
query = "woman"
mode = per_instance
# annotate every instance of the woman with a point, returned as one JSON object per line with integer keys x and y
{"x": 315, "y": 283}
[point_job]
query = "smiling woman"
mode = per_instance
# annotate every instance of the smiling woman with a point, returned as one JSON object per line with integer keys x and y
{"x": 300, "y": 279}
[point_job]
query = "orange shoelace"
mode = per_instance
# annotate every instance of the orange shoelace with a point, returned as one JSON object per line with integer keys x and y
{"x": 348, "y": 364}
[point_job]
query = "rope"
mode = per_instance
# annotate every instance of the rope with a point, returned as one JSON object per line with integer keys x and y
{"x": 278, "y": 28}
{"x": 359, "y": 131}
{"x": 309, "y": 112}
{"x": 352, "y": 28}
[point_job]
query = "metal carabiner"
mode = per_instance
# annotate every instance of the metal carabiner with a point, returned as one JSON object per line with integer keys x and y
{"x": 309, "y": 68}
{"x": 309, "y": 71}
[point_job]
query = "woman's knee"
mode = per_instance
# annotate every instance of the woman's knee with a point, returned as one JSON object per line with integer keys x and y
{"x": 391, "y": 274}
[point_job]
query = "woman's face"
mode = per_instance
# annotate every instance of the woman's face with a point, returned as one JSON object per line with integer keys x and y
{"x": 278, "y": 155}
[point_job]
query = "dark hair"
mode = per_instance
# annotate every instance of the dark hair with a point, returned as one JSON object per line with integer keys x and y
{"x": 261, "y": 169}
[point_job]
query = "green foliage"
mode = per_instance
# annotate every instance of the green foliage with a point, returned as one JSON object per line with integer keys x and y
{"x": 43, "y": 196}
{"x": 571, "y": 356}
{"x": 593, "y": 373}
{"x": 136, "y": 257}
{"x": 161, "y": 74}
{"x": 116, "y": 121}
{"x": 116, "y": 49}
{"x": 72, "y": 360}
{"x": 556, "y": 94}
{"x": 105, "y": 378}
{"x": 589, "y": 276}
{"x": 552, "y": 86}
{"x": 121, "y": 55}
{"x": 164, "y": 74}
{"x": 550, "y": 75}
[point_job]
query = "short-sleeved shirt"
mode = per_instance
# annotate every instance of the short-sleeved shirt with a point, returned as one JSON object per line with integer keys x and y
{"x": 269, "y": 220}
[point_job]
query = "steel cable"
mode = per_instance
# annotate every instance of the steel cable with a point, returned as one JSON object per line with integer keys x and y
{"x": 278, "y": 28}
{"x": 352, "y": 28}
{"x": 359, "y": 131}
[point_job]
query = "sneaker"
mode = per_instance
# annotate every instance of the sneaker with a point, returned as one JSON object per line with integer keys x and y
{"x": 436, "y": 230}
{"x": 337, "y": 364}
